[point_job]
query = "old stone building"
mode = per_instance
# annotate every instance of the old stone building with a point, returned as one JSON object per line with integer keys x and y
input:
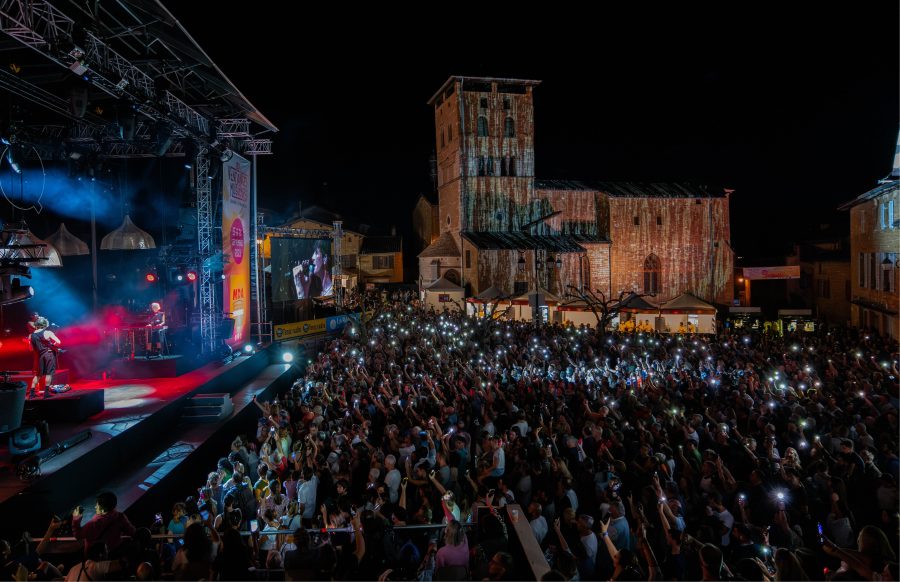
{"x": 501, "y": 226}
{"x": 874, "y": 248}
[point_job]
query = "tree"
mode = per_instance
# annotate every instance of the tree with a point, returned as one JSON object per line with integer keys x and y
{"x": 604, "y": 308}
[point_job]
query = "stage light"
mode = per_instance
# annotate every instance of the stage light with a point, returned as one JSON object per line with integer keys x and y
{"x": 150, "y": 277}
{"x": 12, "y": 162}
{"x": 287, "y": 357}
{"x": 179, "y": 277}
{"x": 191, "y": 276}
{"x": 248, "y": 348}
{"x": 16, "y": 293}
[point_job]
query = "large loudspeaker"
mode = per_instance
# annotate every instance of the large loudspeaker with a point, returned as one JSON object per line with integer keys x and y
{"x": 12, "y": 404}
{"x": 226, "y": 328}
{"x": 78, "y": 100}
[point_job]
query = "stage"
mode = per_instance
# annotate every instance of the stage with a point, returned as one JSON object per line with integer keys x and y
{"x": 141, "y": 421}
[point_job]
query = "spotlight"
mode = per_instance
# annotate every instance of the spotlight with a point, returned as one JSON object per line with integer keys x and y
{"x": 287, "y": 357}
{"x": 179, "y": 277}
{"x": 150, "y": 277}
{"x": 16, "y": 293}
{"x": 12, "y": 161}
{"x": 248, "y": 349}
{"x": 191, "y": 276}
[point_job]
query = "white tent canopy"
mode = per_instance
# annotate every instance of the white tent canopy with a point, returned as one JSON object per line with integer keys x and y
{"x": 686, "y": 311}
{"x": 444, "y": 294}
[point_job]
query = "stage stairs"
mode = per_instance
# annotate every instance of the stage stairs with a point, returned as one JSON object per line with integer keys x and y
{"x": 207, "y": 408}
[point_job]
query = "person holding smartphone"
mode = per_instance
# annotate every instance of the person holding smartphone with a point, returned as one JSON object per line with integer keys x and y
{"x": 107, "y": 525}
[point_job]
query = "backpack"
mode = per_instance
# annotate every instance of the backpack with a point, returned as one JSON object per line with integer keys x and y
{"x": 245, "y": 500}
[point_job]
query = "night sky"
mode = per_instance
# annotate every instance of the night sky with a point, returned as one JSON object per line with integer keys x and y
{"x": 796, "y": 111}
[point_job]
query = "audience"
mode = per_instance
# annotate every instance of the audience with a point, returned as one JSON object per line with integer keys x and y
{"x": 738, "y": 455}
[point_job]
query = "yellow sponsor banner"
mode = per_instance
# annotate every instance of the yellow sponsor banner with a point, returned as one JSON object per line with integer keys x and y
{"x": 300, "y": 329}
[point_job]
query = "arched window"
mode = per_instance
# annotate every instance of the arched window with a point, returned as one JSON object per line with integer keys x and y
{"x": 651, "y": 275}
{"x": 490, "y": 166}
{"x": 509, "y": 127}
{"x": 503, "y": 162}
{"x": 482, "y": 126}
{"x": 512, "y": 166}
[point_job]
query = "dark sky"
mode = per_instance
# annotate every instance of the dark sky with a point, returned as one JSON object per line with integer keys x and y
{"x": 797, "y": 111}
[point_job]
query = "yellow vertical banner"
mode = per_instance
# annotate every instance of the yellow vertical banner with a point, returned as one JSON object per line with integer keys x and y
{"x": 236, "y": 230}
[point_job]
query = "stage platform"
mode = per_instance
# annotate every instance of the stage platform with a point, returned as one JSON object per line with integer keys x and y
{"x": 161, "y": 367}
{"x": 140, "y": 422}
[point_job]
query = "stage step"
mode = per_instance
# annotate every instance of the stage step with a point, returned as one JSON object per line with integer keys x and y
{"x": 207, "y": 408}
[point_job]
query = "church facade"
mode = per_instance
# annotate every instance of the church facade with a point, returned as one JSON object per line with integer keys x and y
{"x": 501, "y": 226}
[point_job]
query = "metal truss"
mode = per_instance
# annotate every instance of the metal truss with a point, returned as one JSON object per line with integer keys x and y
{"x": 337, "y": 236}
{"x": 208, "y": 311}
{"x": 296, "y": 232}
{"x": 233, "y": 128}
{"x": 40, "y": 26}
{"x": 196, "y": 122}
{"x": 256, "y": 147}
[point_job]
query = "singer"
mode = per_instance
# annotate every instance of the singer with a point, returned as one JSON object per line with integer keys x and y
{"x": 44, "y": 346}
{"x": 311, "y": 277}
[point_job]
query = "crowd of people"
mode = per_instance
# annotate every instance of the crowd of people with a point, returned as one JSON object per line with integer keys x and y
{"x": 633, "y": 456}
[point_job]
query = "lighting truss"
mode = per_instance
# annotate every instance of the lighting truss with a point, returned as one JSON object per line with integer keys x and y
{"x": 233, "y": 128}
{"x": 256, "y": 147}
{"x": 208, "y": 311}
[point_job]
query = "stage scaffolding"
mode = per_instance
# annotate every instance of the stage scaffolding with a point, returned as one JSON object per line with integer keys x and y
{"x": 263, "y": 327}
{"x": 150, "y": 74}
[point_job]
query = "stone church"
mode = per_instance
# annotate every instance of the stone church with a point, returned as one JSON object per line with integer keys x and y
{"x": 498, "y": 225}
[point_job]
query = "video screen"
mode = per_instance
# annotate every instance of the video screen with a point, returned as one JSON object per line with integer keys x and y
{"x": 301, "y": 268}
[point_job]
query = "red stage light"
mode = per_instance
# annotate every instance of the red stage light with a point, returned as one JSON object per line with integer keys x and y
{"x": 191, "y": 276}
{"x": 150, "y": 277}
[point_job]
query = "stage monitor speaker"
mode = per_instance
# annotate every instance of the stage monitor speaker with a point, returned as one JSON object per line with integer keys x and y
{"x": 12, "y": 404}
{"x": 23, "y": 441}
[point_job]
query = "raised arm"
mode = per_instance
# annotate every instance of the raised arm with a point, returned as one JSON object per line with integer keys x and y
{"x": 604, "y": 533}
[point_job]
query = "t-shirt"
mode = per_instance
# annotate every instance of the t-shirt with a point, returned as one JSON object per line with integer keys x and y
{"x": 453, "y": 555}
{"x": 176, "y": 527}
{"x": 620, "y": 533}
{"x": 392, "y": 480}
{"x": 306, "y": 496}
{"x": 540, "y": 529}
{"x": 500, "y": 461}
{"x": 590, "y": 548}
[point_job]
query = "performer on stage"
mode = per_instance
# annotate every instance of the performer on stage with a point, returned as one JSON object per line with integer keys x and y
{"x": 157, "y": 332}
{"x": 44, "y": 344}
{"x": 312, "y": 277}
